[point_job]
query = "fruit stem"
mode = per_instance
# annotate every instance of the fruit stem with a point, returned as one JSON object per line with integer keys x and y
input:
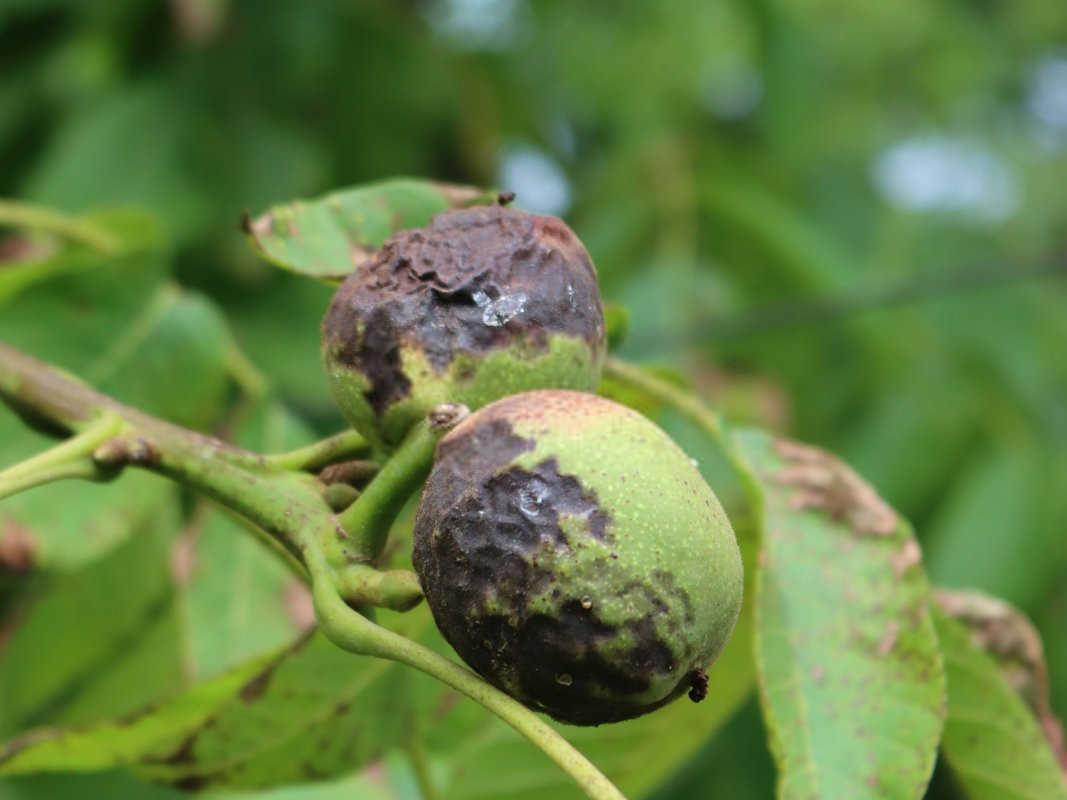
{"x": 368, "y": 520}
{"x": 339, "y": 447}
{"x": 355, "y": 633}
{"x": 13, "y": 484}
{"x": 69, "y": 459}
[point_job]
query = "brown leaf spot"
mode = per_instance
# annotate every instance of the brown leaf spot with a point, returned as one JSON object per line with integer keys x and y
{"x": 824, "y": 483}
{"x": 996, "y": 627}
{"x": 448, "y": 701}
{"x": 183, "y": 558}
{"x": 906, "y": 557}
{"x": 18, "y": 547}
{"x": 889, "y": 638}
{"x": 1006, "y": 634}
{"x": 255, "y": 688}
{"x": 15, "y": 249}
{"x": 299, "y": 606}
{"x": 375, "y": 773}
{"x": 261, "y": 226}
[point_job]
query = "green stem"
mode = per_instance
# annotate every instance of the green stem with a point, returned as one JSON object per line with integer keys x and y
{"x": 367, "y": 521}
{"x": 339, "y": 447}
{"x": 25, "y": 215}
{"x": 275, "y": 500}
{"x": 70, "y": 459}
{"x": 286, "y": 505}
{"x": 357, "y": 634}
{"x": 76, "y": 448}
{"x": 11, "y": 485}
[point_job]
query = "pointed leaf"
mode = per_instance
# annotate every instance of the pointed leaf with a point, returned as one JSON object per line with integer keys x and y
{"x": 332, "y": 235}
{"x": 849, "y": 669}
{"x": 151, "y": 735}
{"x": 313, "y": 711}
{"x": 173, "y": 336}
{"x": 996, "y": 746}
{"x": 240, "y": 600}
{"x": 100, "y": 641}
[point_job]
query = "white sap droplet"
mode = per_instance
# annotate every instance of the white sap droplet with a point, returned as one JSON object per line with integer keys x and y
{"x": 587, "y": 603}
{"x": 530, "y": 501}
{"x": 570, "y": 298}
{"x": 694, "y": 462}
{"x": 504, "y": 309}
{"x": 563, "y": 679}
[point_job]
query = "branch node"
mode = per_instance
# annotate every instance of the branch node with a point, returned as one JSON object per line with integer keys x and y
{"x": 126, "y": 451}
{"x": 353, "y": 473}
{"x": 447, "y": 415}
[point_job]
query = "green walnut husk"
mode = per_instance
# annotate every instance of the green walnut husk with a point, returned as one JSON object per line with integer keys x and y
{"x": 482, "y": 303}
{"x": 574, "y": 556}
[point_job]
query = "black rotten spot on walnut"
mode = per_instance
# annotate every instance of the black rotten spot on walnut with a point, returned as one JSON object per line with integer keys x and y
{"x": 556, "y": 580}
{"x": 436, "y": 301}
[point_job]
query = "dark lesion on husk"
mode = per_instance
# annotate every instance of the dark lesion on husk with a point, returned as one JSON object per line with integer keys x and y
{"x": 487, "y": 539}
{"x": 471, "y": 281}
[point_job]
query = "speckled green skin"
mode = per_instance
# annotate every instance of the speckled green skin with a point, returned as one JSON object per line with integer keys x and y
{"x": 474, "y": 380}
{"x": 575, "y": 557}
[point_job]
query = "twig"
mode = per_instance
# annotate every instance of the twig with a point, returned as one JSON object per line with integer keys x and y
{"x": 313, "y": 457}
{"x": 357, "y": 634}
{"x": 25, "y": 215}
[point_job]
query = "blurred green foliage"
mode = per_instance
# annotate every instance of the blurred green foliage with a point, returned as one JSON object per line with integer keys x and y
{"x": 842, "y": 220}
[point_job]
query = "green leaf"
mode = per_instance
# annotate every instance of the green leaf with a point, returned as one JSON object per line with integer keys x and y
{"x": 173, "y": 337}
{"x": 616, "y": 323}
{"x": 1000, "y": 490}
{"x": 278, "y": 327}
{"x": 239, "y": 599}
{"x": 849, "y": 670}
{"x": 103, "y": 640}
{"x": 110, "y": 317}
{"x": 312, "y": 711}
{"x": 993, "y": 742}
{"x": 100, "y": 155}
{"x": 330, "y": 236}
{"x": 61, "y": 243}
{"x": 390, "y": 780}
{"x": 317, "y": 712}
{"x": 155, "y": 734}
